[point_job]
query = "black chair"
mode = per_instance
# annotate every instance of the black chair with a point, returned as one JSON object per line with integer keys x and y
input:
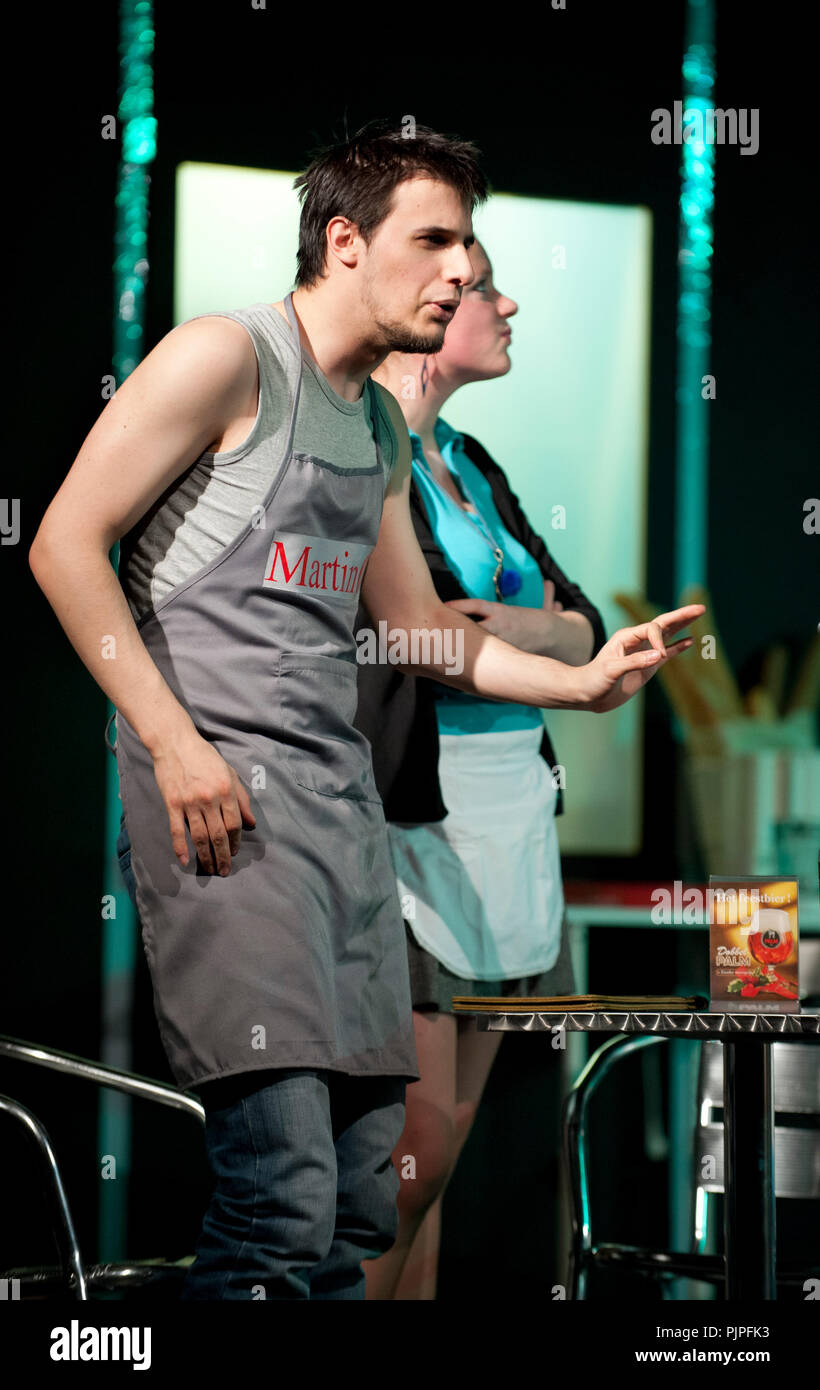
{"x": 83, "y": 1281}
{"x": 796, "y": 1158}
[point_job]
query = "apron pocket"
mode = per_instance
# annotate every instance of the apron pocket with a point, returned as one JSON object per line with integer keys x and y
{"x": 318, "y": 697}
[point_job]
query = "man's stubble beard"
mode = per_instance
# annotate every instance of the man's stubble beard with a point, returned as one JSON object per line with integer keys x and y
{"x": 397, "y": 338}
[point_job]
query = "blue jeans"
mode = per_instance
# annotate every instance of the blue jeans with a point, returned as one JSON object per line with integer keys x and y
{"x": 305, "y": 1184}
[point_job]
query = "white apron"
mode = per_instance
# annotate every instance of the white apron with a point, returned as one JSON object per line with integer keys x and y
{"x": 481, "y": 890}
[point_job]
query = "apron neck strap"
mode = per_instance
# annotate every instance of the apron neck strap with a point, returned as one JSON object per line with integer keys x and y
{"x": 291, "y": 313}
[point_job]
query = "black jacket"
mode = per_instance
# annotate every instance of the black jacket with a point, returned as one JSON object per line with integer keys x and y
{"x": 397, "y": 712}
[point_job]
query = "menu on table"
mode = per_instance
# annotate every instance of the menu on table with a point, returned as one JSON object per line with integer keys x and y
{"x": 753, "y": 945}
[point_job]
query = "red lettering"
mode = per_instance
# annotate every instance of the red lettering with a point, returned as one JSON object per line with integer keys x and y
{"x": 289, "y": 573}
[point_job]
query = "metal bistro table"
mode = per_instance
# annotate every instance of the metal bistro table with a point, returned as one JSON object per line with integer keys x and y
{"x": 748, "y": 1113}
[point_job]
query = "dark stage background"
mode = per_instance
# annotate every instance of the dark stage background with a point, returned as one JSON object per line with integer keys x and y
{"x": 560, "y": 107}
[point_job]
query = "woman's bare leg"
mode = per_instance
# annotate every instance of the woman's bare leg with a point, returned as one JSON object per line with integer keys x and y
{"x": 475, "y": 1055}
{"x": 425, "y": 1147}
{"x": 420, "y": 1272}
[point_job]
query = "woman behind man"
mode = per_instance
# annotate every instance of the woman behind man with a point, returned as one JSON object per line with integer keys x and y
{"x": 467, "y": 785}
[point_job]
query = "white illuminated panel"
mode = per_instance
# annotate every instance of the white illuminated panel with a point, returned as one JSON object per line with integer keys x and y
{"x": 568, "y": 424}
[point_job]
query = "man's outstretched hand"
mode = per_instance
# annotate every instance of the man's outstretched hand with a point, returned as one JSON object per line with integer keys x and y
{"x": 632, "y": 656}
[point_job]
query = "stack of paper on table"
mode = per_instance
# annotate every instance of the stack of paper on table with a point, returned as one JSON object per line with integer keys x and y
{"x": 577, "y": 1003}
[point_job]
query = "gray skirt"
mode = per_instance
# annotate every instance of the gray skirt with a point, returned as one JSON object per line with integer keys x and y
{"x": 432, "y": 985}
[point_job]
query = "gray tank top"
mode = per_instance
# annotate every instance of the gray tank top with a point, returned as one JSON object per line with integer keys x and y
{"x": 206, "y": 508}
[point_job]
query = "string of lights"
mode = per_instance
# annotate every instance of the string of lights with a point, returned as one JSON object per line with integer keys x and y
{"x": 136, "y": 126}
{"x": 696, "y": 248}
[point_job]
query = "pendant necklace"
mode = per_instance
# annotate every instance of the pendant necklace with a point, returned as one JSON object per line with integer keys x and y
{"x": 506, "y": 581}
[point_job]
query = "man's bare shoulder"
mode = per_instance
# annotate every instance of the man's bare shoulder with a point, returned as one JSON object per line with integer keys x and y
{"x": 391, "y": 405}
{"x": 204, "y": 366}
{"x": 224, "y": 341}
{"x": 394, "y": 413}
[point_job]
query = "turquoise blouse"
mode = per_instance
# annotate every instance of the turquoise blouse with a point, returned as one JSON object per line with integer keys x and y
{"x": 469, "y": 556}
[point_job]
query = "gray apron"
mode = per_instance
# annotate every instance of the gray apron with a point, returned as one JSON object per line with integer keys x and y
{"x": 298, "y": 957}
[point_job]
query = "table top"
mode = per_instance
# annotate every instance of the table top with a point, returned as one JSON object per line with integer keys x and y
{"x": 701, "y": 1024}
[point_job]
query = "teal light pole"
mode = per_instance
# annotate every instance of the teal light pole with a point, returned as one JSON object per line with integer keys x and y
{"x": 695, "y": 250}
{"x": 136, "y": 128}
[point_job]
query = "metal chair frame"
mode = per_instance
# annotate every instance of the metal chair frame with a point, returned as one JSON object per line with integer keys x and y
{"x": 72, "y": 1274}
{"x": 585, "y": 1254}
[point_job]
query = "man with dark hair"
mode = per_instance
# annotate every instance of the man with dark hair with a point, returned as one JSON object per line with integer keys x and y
{"x": 360, "y": 176}
{"x": 259, "y": 482}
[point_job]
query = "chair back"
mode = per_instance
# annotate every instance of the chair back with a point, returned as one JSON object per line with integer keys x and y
{"x": 796, "y": 1082}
